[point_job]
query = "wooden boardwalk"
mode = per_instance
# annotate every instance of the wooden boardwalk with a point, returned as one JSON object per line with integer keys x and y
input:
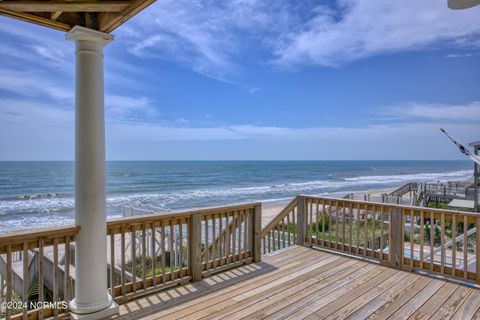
{"x": 302, "y": 283}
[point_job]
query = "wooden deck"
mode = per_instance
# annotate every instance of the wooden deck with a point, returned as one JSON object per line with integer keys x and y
{"x": 302, "y": 283}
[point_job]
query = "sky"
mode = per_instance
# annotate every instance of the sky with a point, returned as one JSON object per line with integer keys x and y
{"x": 255, "y": 80}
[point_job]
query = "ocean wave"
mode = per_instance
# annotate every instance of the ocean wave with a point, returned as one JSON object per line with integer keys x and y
{"x": 428, "y": 177}
{"x": 166, "y": 200}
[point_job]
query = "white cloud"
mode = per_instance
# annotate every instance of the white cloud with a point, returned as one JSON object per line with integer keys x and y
{"x": 207, "y": 36}
{"x": 370, "y": 27}
{"x": 465, "y": 113}
{"x": 212, "y": 38}
{"x": 125, "y": 108}
{"x": 30, "y": 129}
{"x": 33, "y": 83}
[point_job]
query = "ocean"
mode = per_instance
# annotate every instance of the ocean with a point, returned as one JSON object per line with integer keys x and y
{"x": 40, "y": 194}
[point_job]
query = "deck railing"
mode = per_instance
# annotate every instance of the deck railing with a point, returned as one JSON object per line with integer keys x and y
{"x": 145, "y": 254}
{"x": 40, "y": 272}
{"x": 435, "y": 241}
{"x": 152, "y": 252}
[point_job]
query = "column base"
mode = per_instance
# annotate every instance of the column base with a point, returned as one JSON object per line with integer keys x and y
{"x": 95, "y": 312}
{"x": 102, "y": 314}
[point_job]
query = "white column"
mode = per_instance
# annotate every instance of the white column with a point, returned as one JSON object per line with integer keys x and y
{"x": 92, "y": 299}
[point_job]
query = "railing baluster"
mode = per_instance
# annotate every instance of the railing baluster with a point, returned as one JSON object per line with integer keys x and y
{"x": 68, "y": 259}
{"x": 207, "y": 256}
{"x": 164, "y": 253}
{"x": 289, "y": 230}
{"x": 336, "y": 225}
{"x": 234, "y": 236}
{"x": 295, "y": 233}
{"x": 477, "y": 250}
{"x": 382, "y": 232}
{"x": 358, "y": 230}
{"x": 112, "y": 266}
{"x": 310, "y": 228}
{"x": 245, "y": 232}
{"x": 240, "y": 224}
{"x": 283, "y": 232}
{"x": 432, "y": 240}
{"x": 144, "y": 256}
{"x": 227, "y": 239}
{"x": 317, "y": 220}
{"x": 442, "y": 243}
{"x": 422, "y": 238}
{"x": 278, "y": 237}
{"x": 374, "y": 221}
{"x": 465, "y": 247}
{"x": 454, "y": 244}
{"x": 343, "y": 226}
{"x": 25, "y": 261}
{"x": 55, "y": 274}
{"x": 180, "y": 237}
{"x": 365, "y": 229}
{"x": 153, "y": 235}
{"x": 172, "y": 250}
{"x": 350, "y": 229}
{"x": 412, "y": 236}
{"x": 133, "y": 249}
{"x": 41, "y": 276}
{"x": 270, "y": 242}
{"x": 122, "y": 257}
{"x": 214, "y": 240}
{"x": 8, "y": 311}
{"x": 220, "y": 240}
{"x": 324, "y": 213}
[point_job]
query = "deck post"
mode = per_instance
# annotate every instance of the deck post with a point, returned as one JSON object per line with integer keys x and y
{"x": 301, "y": 225}
{"x": 396, "y": 233}
{"x": 92, "y": 300}
{"x": 256, "y": 234}
{"x": 195, "y": 261}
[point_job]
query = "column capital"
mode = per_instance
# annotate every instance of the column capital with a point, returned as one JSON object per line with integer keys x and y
{"x": 79, "y": 33}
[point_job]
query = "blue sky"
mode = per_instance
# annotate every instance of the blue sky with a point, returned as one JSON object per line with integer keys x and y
{"x": 255, "y": 79}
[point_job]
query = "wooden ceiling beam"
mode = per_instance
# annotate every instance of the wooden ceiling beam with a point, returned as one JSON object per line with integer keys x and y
{"x": 65, "y": 6}
{"x": 36, "y": 19}
{"x": 110, "y": 21}
{"x": 55, "y": 15}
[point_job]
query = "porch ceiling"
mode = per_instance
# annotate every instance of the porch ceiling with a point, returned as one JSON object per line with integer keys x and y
{"x": 104, "y": 16}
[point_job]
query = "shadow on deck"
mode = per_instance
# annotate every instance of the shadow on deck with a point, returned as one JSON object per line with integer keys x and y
{"x": 303, "y": 283}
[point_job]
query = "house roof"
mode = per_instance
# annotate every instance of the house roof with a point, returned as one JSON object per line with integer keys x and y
{"x": 461, "y": 203}
{"x": 475, "y": 144}
{"x": 101, "y": 15}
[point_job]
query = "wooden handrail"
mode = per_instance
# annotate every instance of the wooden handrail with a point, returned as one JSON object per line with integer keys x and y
{"x": 392, "y": 205}
{"x": 17, "y": 239}
{"x": 137, "y": 220}
{"x": 288, "y": 208}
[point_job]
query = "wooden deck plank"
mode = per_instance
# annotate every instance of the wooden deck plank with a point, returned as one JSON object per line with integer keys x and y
{"x": 212, "y": 310}
{"x": 271, "y": 268}
{"x": 303, "y": 283}
{"x": 352, "y": 305}
{"x": 454, "y": 302}
{"x": 288, "y": 306}
{"x": 413, "y": 304}
{"x": 326, "y": 310}
{"x": 393, "y": 305}
{"x": 435, "y": 302}
{"x": 332, "y": 273}
{"x": 321, "y": 300}
{"x": 469, "y": 307}
{"x": 387, "y": 297}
